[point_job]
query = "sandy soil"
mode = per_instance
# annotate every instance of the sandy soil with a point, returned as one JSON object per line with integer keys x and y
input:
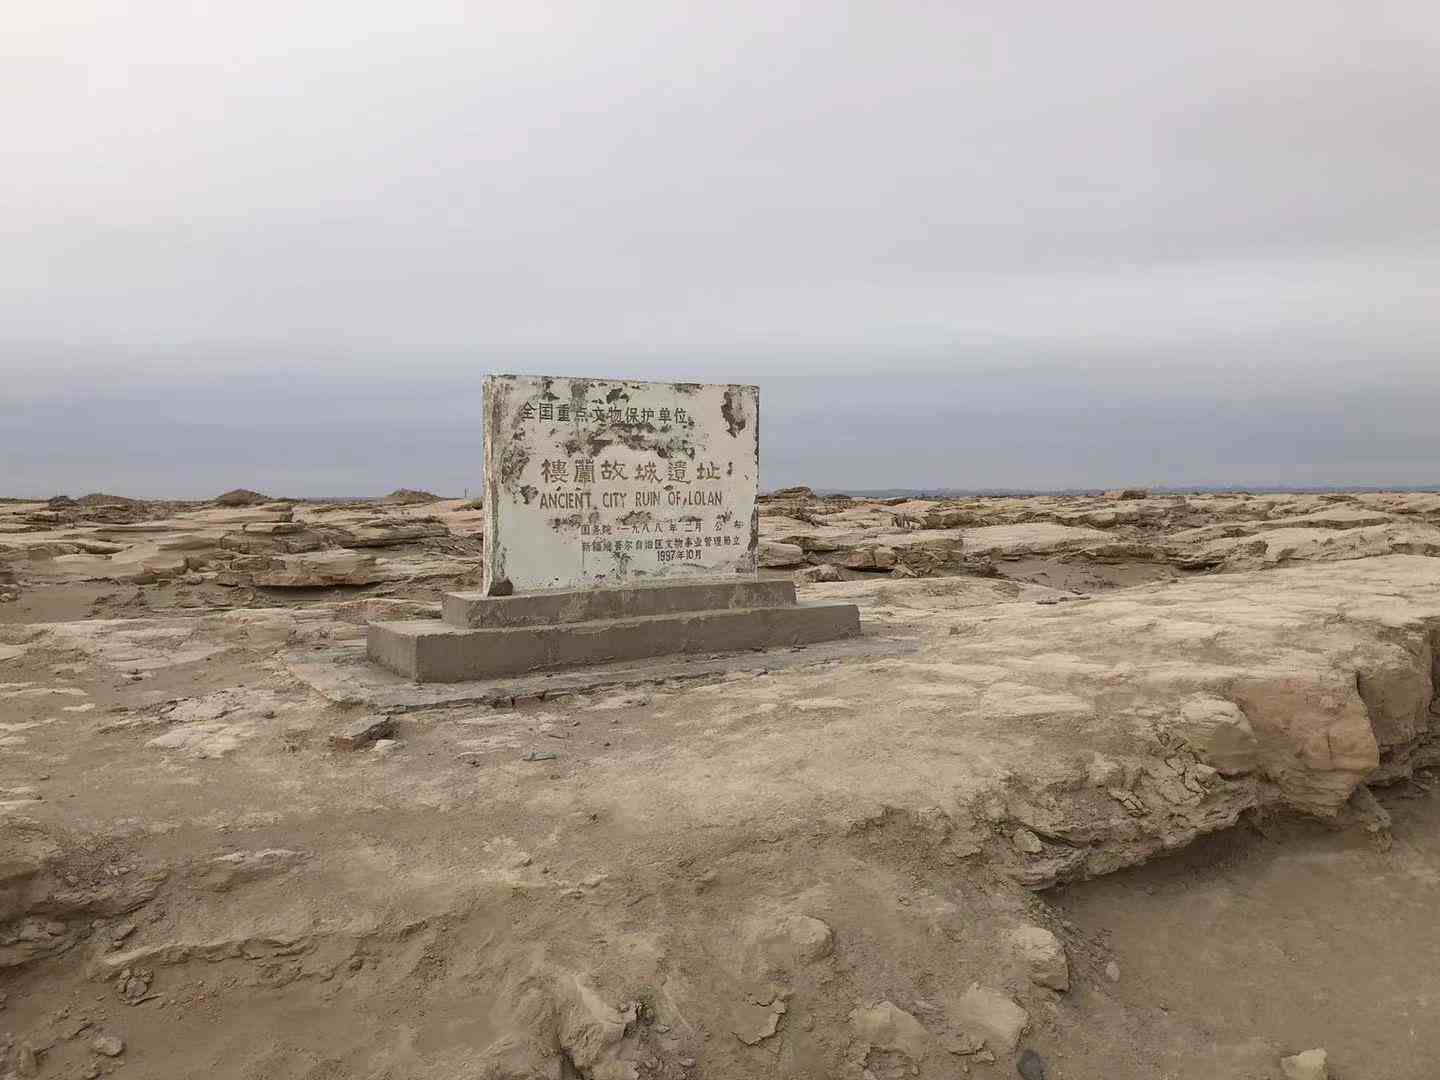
{"x": 1141, "y": 726}
{"x": 1294, "y": 935}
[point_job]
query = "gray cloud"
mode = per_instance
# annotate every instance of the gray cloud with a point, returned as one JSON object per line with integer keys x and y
{"x": 278, "y": 244}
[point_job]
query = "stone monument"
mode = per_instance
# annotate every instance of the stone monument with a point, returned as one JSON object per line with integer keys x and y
{"x": 621, "y": 522}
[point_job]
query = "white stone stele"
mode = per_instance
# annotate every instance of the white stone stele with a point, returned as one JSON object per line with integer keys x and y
{"x": 602, "y": 482}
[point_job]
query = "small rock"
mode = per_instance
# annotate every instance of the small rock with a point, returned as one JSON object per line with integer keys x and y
{"x": 26, "y": 1063}
{"x": 811, "y": 938}
{"x": 888, "y": 1027}
{"x": 1129, "y": 800}
{"x": 1112, "y": 971}
{"x": 756, "y": 1021}
{"x": 1043, "y": 955}
{"x": 993, "y": 1016}
{"x": 363, "y": 732}
{"x": 1026, "y": 841}
{"x": 1031, "y": 1066}
{"x": 109, "y": 1045}
{"x": 133, "y": 988}
{"x": 963, "y": 1044}
{"x": 1309, "y": 1065}
{"x": 385, "y": 746}
{"x": 1203, "y": 774}
{"x": 791, "y": 939}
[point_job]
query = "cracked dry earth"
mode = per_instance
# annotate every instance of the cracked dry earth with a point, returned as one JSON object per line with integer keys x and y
{"x": 1135, "y": 807}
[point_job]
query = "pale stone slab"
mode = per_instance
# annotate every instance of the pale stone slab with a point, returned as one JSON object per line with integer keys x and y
{"x": 593, "y": 482}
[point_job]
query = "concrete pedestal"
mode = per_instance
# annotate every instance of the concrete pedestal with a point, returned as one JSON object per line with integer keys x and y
{"x": 481, "y": 637}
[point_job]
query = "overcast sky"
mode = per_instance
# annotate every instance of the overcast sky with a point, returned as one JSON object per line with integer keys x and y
{"x": 1044, "y": 245}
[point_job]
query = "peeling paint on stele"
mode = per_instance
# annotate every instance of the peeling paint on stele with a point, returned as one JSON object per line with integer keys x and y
{"x": 595, "y": 482}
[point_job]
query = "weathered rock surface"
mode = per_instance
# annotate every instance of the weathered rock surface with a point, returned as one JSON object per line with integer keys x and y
{"x": 387, "y": 535}
{"x": 49, "y": 893}
{"x": 306, "y": 570}
{"x": 1219, "y": 734}
{"x": 1195, "y": 532}
{"x": 793, "y": 870}
{"x": 774, "y": 554}
{"x": 146, "y": 543}
{"x": 1285, "y": 545}
{"x": 824, "y": 572}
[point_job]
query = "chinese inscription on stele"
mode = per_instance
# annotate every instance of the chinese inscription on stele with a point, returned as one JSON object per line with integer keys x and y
{"x": 595, "y": 482}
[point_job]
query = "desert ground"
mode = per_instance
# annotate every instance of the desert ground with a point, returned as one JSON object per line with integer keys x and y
{"x": 1130, "y": 786}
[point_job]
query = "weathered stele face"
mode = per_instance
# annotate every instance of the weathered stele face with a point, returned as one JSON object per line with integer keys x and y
{"x": 593, "y": 482}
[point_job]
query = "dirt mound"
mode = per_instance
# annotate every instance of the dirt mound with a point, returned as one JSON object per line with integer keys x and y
{"x": 800, "y": 491}
{"x": 409, "y": 497}
{"x": 100, "y": 498}
{"x": 242, "y": 497}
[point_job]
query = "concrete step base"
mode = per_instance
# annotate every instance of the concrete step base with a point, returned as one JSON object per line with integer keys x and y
{"x": 429, "y": 651}
{"x": 473, "y": 610}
